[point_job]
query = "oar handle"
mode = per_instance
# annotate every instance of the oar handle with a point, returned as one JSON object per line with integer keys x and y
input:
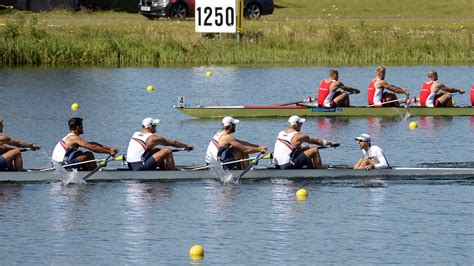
{"x": 182, "y": 149}
{"x": 29, "y": 149}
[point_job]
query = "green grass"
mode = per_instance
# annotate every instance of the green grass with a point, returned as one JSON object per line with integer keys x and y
{"x": 375, "y": 9}
{"x": 347, "y": 34}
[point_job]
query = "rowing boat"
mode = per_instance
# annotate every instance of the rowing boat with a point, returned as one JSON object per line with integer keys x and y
{"x": 118, "y": 174}
{"x": 308, "y": 111}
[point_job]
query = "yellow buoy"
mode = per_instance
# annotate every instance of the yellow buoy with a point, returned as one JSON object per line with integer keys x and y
{"x": 454, "y": 102}
{"x": 413, "y": 125}
{"x": 302, "y": 193}
{"x": 196, "y": 252}
{"x": 209, "y": 74}
{"x": 75, "y": 106}
{"x": 150, "y": 88}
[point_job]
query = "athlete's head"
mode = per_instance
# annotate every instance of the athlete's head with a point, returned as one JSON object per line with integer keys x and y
{"x": 333, "y": 74}
{"x": 229, "y": 124}
{"x": 380, "y": 72}
{"x": 363, "y": 140}
{"x": 296, "y": 122}
{"x": 75, "y": 124}
{"x": 150, "y": 124}
{"x": 433, "y": 75}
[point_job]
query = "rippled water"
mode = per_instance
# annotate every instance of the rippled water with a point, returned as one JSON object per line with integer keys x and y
{"x": 346, "y": 221}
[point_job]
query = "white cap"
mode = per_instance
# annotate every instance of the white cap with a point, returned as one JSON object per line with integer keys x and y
{"x": 363, "y": 137}
{"x": 148, "y": 122}
{"x": 295, "y": 120}
{"x": 226, "y": 121}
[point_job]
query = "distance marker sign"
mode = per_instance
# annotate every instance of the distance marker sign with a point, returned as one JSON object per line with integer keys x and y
{"x": 216, "y": 16}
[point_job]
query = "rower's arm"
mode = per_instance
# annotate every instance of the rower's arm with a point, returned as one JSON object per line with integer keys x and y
{"x": 95, "y": 147}
{"x": 301, "y": 138}
{"x": 392, "y": 88}
{"x": 347, "y": 88}
{"x": 17, "y": 143}
{"x": 247, "y": 147}
{"x": 159, "y": 140}
{"x": 397, "y": 90}
{"x": 450, "y": 90}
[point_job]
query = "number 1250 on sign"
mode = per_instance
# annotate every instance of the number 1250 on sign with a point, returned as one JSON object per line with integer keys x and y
{"x": 216, "y": 15}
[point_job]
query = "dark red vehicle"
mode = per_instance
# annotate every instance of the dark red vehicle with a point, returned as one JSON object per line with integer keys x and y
{"x": 181, "y": 9}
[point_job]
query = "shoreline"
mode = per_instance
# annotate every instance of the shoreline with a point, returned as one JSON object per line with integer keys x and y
{"x": 109, "y": 40}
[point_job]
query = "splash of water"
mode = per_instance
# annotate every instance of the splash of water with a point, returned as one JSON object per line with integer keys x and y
{"x": 67, "y": 177}
{"x": 217, "y": 170}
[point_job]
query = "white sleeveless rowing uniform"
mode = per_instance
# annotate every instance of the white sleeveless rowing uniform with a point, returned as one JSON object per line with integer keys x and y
{"x": 283, "y": 148}
{"x": 377, "y": 152}
{"x": 61, "y": 151}
{"x": 213, "y": 148}
{"x": 137, "y": 147}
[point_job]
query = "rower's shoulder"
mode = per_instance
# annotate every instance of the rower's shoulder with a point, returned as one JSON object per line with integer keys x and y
{"x": 376, "y": 148}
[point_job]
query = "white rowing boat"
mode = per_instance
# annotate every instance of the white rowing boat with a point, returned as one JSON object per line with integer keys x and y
{"x": 258, "y": 173}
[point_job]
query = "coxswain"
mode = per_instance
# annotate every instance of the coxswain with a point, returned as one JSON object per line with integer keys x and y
{"x": 376, "y": 95}
{"x": 329, "y": 94}
{"x": 436, "y": 94}
{"x": 67, "y": 152}
{"x": 225, "y": 148}
{"x": 290, "y": 150}
{"x": 10, "y": 151}
{"x": 143, "y": 153}
{"x": 373, "y": 158}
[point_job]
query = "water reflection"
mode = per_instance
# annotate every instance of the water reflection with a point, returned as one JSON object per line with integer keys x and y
{"x": 434, "y": 123}
{"x": 65, "y": 206}
{"x": 282, "y": 216}
{"x": 10, "y": 192}
{"x": 137, "y": 218}
{"x": 330, "y": 125}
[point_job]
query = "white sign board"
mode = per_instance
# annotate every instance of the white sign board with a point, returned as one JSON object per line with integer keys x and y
{"x": 216, "y": 16}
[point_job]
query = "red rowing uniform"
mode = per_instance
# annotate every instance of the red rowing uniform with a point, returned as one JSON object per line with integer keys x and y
{"x": 427, "y": 97}
{"x": 374, "y": 95}
{"x": 325, "y": 94}
{"x": 472, "y": 95}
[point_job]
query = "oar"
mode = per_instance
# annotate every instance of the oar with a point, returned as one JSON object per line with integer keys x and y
{"x": 201, "y": 167}
{"x": 117, "y": 158}
{"x": 290, "y": 103}
{"x": 99, "y": 166}
{"x": 392, "y": 101}
{"x": 407, "y": 106}
{"x": 29, "y": 149}
{"x": 182, "y": 149}
{"x": 252, "y": 163}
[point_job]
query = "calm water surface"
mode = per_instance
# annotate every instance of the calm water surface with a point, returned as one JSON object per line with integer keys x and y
{"x": 353, "y": 221}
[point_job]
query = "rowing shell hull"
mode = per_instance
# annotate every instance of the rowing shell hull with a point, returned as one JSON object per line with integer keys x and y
{"x": 122, "y": 175}
{"x": 286, "y": 111}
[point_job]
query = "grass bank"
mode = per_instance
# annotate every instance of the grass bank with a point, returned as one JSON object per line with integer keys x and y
{"x": 327, "y": 33}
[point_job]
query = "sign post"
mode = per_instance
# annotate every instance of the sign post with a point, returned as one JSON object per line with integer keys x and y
{"x": 216, "y": 16}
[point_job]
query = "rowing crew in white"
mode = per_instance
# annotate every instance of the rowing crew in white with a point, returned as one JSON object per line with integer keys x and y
{"x": 292, "y": 149}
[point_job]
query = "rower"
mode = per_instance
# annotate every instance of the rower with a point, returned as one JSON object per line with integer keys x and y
{"x": 472, "y": 95}
{"x": 376, "y": 95}
{"x": 226, "y": 148}
{"x": 67, "y": 149}
{"x": 142, "y": 153}
{"x": 435, "y": 94}
{"x": 330, "y": 96}
{"x": 10, "y": 151}
{"x": 290, "y": 151}
{"x": 374, "y": 157}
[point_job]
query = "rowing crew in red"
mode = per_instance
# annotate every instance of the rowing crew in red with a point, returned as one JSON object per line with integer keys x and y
{"x": 333, "y": 93}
